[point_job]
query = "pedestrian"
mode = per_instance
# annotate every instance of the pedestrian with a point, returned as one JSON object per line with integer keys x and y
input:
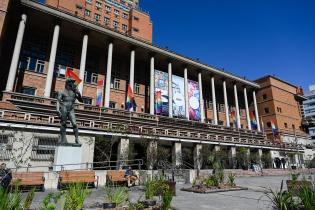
{"x": 5, "y": 176}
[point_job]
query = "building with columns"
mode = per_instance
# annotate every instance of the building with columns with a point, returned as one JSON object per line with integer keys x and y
{"x": 182, "y": 104}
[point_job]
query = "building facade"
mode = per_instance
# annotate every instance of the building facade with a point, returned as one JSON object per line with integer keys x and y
{"x": 309, "y": 111}
{"x": 182, "y": 104}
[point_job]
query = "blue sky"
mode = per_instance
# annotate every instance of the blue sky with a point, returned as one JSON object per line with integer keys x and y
{"x": 250, "y": 38}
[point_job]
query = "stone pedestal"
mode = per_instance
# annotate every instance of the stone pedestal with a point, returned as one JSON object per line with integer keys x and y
{"x": 197, "y": 156}
{"x": 123, "y": 152}
{"x": 177, "y": 154}
{"x": 68, "y": 154}
{"x": 232, "y": 157}
{"x": 151, "y": 154}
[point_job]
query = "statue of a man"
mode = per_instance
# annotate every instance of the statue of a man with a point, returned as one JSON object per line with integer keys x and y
{"x": 65, "y": 109}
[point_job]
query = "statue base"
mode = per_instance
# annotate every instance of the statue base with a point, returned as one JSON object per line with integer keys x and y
{"x": 68, "y": 157}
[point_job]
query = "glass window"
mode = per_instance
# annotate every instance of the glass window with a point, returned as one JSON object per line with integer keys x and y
{"x": 97, "y": 16}
{"x": 87, "y": 13}
{"x": 89, "y": 1}
{"x": 266, "y": 110}
{"x": 107, "y": 8}
{"x": 28, "y": 90}
{"x": 125, "y": 15}
{"x": 115, "y": 83}
{"x": 286, "y": 125}
{"x": 269, "y": 124}
{"x": 40, "y": 66}
{"x": 112, "y": 104}
{"x": 136, "y": 88}
{"x": 87, "y": 100}
{"x": 124, "y": 27}
{"x": 135, "y": 29}
{"x": 265, "y": 96}
{"x": 98, "y": 4}
{"x": 107, "y": 21}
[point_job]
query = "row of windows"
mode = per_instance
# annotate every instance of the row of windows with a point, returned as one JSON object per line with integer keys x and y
{"x": 98, "y": 4}
{"x": 108, "y": 10}
{"x": 267, "y": 110}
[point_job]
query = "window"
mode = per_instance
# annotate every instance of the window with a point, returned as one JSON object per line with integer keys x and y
{"x": 60, "y": 71}
{"x": 125, "y": 15}
{"x": 44, "y": 148}
{"x": 293, "y": 126}
{"x": 98, "y": 5}
{"x": 97, "y": 17}
{"x": 279, "y": 110}
{"x": 89, "y": 1}
{"x": 32, "y": 64}
{"x": 265, "y": 96}
{"x": 116, "y": 12}
{"x": 87, "y": 13}
{"x": 286, "y": 125}
{"x": 115, "y": 83}
{"x": 266, "y": 110}
{"x": 124, "y": 27}
{"x": 107, "y": 21}
{"x": 269, "y": 124}
{"x": 28, "y": 90}
{"x": 135, "y": 30}
{"x": 115, "y": 24}
{"x": 137, "y": 88}
{"x": 87, "y": 100}
{"x": 90, "y": 78}
{"x": 112, "y": 104}
{"x": 107, "y": 8}
{"x": 135, "y": 18}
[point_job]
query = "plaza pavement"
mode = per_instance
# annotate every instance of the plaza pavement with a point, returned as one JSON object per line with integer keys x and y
{"x": 251, "y": 199}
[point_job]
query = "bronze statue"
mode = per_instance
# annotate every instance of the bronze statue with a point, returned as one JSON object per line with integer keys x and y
{"x": 65, "y": 109}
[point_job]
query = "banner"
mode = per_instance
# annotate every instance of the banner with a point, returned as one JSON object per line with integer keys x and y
{"x": 130, "y": 103}
{"x": 253, "y": 120}
{"x": 194, "y": 100}
{"x": 178, "y": 87}
{"x": 99, "y": 93}
{"x": 161, "y": 92}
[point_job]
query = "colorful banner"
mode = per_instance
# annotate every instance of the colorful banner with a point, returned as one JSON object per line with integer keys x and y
{"x": 99, "y": 93}
{"x": 274, "y": 128}
{"x": 194, "y": 100}
{"x": 233, "y": 118}
{"x": 253, "y": 120}
{"x": 130, "y": 103}
{"x": 70, "y": 74}
{"x": 178, "y": 87}
{"x": 161, "y": 92}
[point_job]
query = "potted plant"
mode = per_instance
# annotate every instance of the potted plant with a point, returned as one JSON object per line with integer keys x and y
{"x": 150, "y": 187}
{"x": 115, "y": 196}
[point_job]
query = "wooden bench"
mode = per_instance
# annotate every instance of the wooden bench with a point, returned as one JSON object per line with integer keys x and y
{"x": 116, "y": 177}
{"x": 28, "y": 180}
{"x": 69, "y": 177}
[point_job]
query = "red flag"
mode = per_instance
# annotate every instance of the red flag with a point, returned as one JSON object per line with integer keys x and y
{"x": 71, "y": 74}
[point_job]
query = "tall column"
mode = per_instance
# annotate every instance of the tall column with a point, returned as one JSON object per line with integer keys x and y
{"x": 108, "y": 74}
{"x": 202, "y": 110}
{"x": 297, "y": 161}
{"x": 256, "y": 111}
{"x": 214, "y": 102}
{"x": 186, "y": 93}
{"x": 226, "y": 105}
{"x": 151, "y": 154}
{"x": 248, "y": 155}
{"x": 238, "y": 119}
{"x": 83, "y": 61}
{"x": 170, "y": 91}
{"x": 247, "y": 109}
{"x": 232, "y": 157}
{"x": 217, "y": 148}
{"x": 123, "y": 151}
{"x": 132, "y": 69}
{"x": 260, "y": 153}
{"x": 51, "y": 65}
{"x": 197, "y": 156}
{"x": 152, "y": 81}
{"x": 16, "y": 54}
{"x": 177, "y": 154}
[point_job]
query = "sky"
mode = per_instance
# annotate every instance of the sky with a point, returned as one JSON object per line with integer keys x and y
{"x": 250, "y": 38}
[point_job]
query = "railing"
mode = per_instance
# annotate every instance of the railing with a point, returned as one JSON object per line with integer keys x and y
{"x": 160, "y": 131}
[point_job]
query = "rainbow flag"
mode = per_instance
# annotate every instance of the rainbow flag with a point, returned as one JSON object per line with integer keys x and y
{"x": 158, "y": 102}
{"x": 99, "y": 93}
{"x": 253, "y": 120}
{"x": 274, "y": 128}
{"x": 70, "y": 74}
{"x": 130, "y": 103}
{"x": 233, "y": 118}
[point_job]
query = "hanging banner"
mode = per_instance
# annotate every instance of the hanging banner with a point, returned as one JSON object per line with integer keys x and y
{"x": 161, "y": 92}
{"x": 194, "y": 100}
{"x": 99, "y": 93}
{"x": 178, "y": 96}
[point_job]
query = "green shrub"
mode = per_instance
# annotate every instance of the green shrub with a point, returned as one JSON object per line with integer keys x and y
{"x": 75, "y": 196}
{"x": 29, "y": 199}
{"x": 231, "y": 179}
{"x": 50, "y": 201}
{"x": 307, "y": 196}
{"x": 10, "y": 201}
{"x": 167, "y": 198}
{"x": 117, "y": 195}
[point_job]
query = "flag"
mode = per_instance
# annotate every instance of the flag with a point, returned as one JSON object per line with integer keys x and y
{"x": 158, "y": 102}
{"x": 233, "y": 118}
{"x": 274, "y": 128}
{"x": 253, "y": 120}
{"x": 99, "y": 93}
{"x": 70, "y": 74}
{"x": 130, "y": 103}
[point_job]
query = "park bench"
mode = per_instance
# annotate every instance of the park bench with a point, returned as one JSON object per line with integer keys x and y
{"x": 28, "y": 180}
{"x": 70, "y": 177}
{"x": 116, "y": 177}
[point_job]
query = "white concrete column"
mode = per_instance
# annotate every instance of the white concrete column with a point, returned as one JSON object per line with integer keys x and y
{"x": 83, "y": 61}
{"x": 151, "y": 154}
{"x": 202, "y": 110}
{"x": 170, "y": 90}
{"x": 232, "y": 156}
{"x": 16, "y": 54}
{"x": 197, "y": 156}
{"x": 123, "y": 150}
{"x": 152, "y": 81}
{"x": 247, "y": 109}
{"x": 217, "y": 148}
{"x": 108, "y": 74}
{"x": 214, "y": 102}
{"x": 177, "y": 154}
{"x": 186, "y": 93}
{"x": 297, "y": 162}
{"x": 256, "y": 111}
{"x": 238, "y": 119}
{"x": 260, "y": 153}
{"x": 226, "y": 105}
{"x": 248, "y": 155}
{"x": 51, "y": 65}
{"x": 132, "y": 69}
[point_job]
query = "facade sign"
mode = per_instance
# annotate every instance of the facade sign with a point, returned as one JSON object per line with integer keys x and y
{"x": 161, "y": 93}
{"x": 178, "y": 96}
{"x": 194, "y": 100}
